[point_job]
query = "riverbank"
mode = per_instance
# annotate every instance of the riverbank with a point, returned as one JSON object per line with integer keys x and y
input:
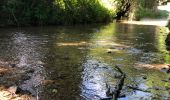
{"x": 147, "y": 21}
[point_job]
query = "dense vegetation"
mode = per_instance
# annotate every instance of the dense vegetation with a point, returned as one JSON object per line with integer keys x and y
{"x": 59, "y": 12}
{"x": 36, "y": 12}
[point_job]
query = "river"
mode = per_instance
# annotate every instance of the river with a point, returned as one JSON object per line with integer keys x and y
{"x": 78, "y": 62}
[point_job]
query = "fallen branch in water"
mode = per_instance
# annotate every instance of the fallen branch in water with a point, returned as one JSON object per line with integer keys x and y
{"x": 120, "y": 84}
{"x": 138, "y": 89}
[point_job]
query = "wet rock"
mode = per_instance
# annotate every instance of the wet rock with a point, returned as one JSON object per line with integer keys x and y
{"x": 30, "y": 71}
{"x": 40, "y": 63}
{"x": 12, "y": 89}
{"x": 55, "y": 91}
{"x": 144, "y": 77}
{"x": 46, "y": 82}
{"x": 165, "y": 80}
{"x": 157, "y": 88}
{"x": 167, "y": 70}
{"x": 146, "y": 51}
{"x": 66, "y": 58}
{"x": 19, "y": 90}
{"x": 12, "y": 65}
{"x": 112, "y": 48}
{"x": 141, "y": 33}
{"x": 26, "y": 77}
{"x": 61, "y": 76}
{"x": 1, "y": 75}
{"x": 109, "y": 51}
{"x": 122, "y": 95}
{"x": 117, "y": 76}
{"x": 167, "y": 88}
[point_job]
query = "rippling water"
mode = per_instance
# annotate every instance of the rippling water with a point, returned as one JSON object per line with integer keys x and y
{"x": 81, "y": 60}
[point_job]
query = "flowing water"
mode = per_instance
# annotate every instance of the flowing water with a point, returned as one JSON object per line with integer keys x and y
{"x": 78, "y": 62}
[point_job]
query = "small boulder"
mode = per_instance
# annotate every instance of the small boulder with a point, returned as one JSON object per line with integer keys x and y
{"x": 167, "y": 70}
{"x": 12, "y": 65}
{"x": 109, "y": 52}
{"x": 144, "y": 77}
{"x": 13, "y": 89}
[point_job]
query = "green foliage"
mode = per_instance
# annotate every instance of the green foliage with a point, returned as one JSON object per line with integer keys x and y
{"x": 39, "y": 12}
{"x": 147, "y": 9}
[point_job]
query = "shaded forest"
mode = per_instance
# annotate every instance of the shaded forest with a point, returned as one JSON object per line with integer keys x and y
{"x": 63, "y": 12}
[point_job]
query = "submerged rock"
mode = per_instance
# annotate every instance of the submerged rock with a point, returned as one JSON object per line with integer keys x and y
{"x": 12, "y": 65}
{"x": 30, "y": 71}
{"x": 144, "y": 77}
{"x": 167, "y": 70}
{"x": 12, "y": 89}
{"x": 109, "y": 52}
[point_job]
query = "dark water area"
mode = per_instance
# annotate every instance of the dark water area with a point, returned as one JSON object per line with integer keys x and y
{"x": 78, "y": 62}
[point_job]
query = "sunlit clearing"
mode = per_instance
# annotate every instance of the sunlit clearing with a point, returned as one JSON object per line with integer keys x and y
{"x": 107, "y": 4}
{"x": 165, "y": 7}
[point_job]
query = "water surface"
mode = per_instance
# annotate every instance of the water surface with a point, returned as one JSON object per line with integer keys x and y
{"x": 81, "y": 60}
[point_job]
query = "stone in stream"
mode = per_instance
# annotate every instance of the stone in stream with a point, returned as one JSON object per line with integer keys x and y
{"x": 30, "y": 71}
{"x": 66, "y": 58}
{"x": 12, "y": 89}
{"x": 164, "y": 80}
{"x": 17, "y": 90}
{"x": 122, "y": 95}
{"x": 12, "y": 65}
{"x": 117, "y": 76}
{"x": 1, "y": 75}
{"x": 167, "y": 70}
{"x": 144, "y": 77}
{"x": 109, "y": 52}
